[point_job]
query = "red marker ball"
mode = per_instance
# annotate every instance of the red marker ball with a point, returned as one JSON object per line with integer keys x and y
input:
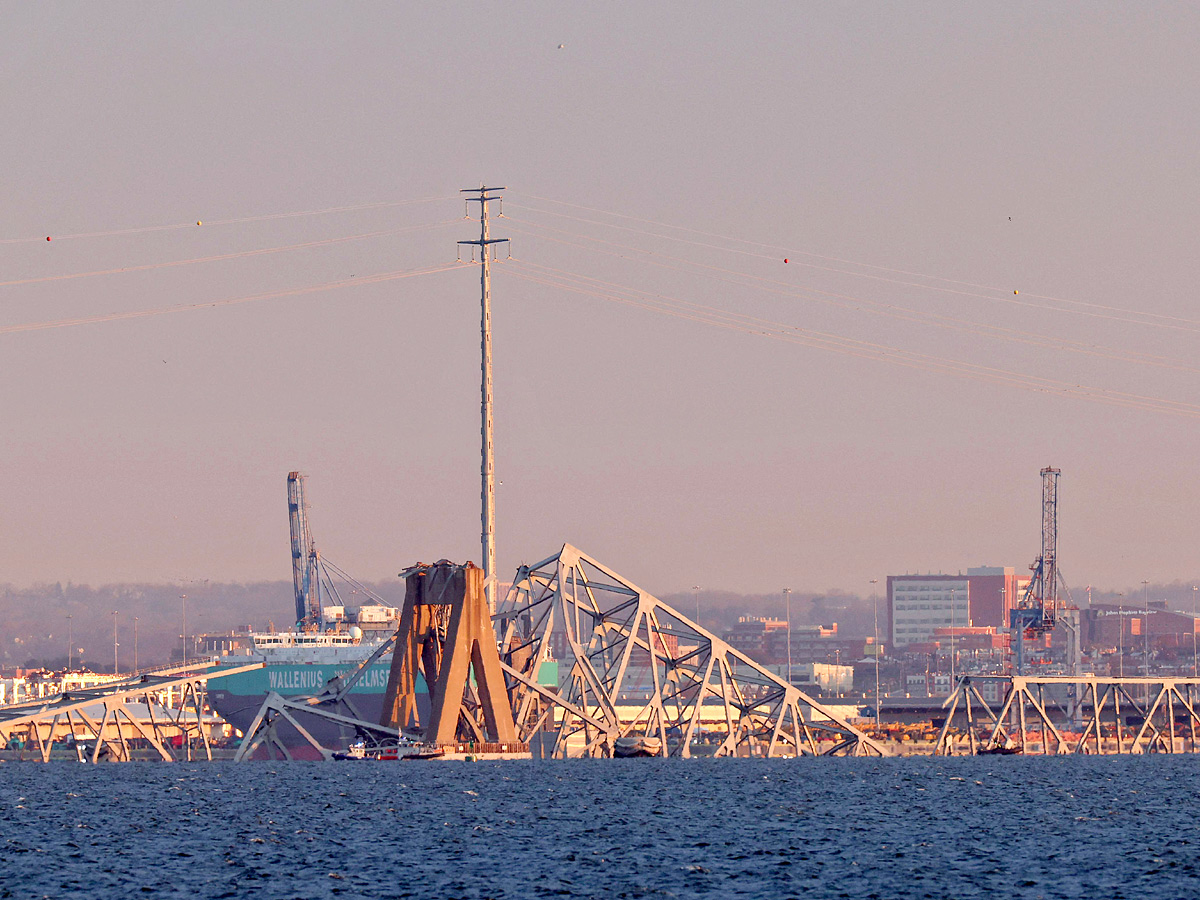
{"x": 49, "y": 239}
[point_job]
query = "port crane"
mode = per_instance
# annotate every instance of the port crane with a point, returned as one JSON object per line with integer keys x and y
{"x": 1036, "y": 612}
{"x": 305, "y": 558}
{"x": 312, "y": 574}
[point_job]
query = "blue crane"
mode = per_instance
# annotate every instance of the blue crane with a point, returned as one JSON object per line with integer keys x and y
{"x": 1035, "y": 613}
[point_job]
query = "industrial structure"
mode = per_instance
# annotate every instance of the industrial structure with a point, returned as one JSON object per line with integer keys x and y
{"x": 1037, "y": 611}
{"x": 445, "y": 632}
{"x": 319, "y": 603}
{"x": 487, "y": 449}
{"x": 305, "y": 559}
{"x": 444, "y": 643}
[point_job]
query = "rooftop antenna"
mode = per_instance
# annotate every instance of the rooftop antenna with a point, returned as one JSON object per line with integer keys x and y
{"x": 488, "y": 468}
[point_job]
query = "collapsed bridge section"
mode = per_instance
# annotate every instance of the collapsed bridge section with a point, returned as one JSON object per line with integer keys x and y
{"x": 637, "y": 667}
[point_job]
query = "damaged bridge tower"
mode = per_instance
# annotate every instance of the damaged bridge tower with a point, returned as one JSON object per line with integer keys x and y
{"x": 445, "y": 634}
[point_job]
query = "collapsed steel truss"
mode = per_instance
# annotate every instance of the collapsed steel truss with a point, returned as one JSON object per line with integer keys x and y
{"x": 332, "y": 704}
{"x": 638, "y": 667}
{"x": 1073, "y": 714}
{"x": 43, "y": 722}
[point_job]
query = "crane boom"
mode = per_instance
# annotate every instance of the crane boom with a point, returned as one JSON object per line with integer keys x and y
{"x": 304, "y": 555}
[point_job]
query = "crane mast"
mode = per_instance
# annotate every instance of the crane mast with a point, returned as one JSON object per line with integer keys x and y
{"x": 1036, "y": 612}
{"x": 304, "y": 555}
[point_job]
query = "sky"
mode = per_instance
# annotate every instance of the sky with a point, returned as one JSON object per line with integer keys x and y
{"x": 796, "y": 294}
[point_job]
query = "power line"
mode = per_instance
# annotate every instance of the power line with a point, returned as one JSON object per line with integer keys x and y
{"x": 241, "y": 254}
{"x": 849, "y": 346}
{"x": 145, "y": 229}
{"x": 1003, "y": 295}
{"x": 874, "y": 307}
{"x": 210, "y": 304}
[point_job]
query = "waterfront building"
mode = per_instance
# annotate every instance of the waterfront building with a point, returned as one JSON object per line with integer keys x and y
{"x": 919, "y": 605}
{"x": 1107, "y": 626}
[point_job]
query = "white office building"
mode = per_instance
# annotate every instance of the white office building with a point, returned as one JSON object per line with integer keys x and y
{"x": 920, "y": 604}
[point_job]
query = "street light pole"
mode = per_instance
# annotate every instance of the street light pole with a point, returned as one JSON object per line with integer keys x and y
{"x": 183, "y": 598}
{"x": 952, "y": 640}
{"x": 696, "y": 598}
{"x": 875, "y": 604}
{"x": 1121, "y": 636}
{"x": 787, "y": 601}
{"x": 1195, "y": 668}
{"x": 115, "y": 670}
{"x": 1008, "y": 658}
{"x": 1146, "y": 638}
{"x": 70, "y": 641}
{"x": 135, "y": 661}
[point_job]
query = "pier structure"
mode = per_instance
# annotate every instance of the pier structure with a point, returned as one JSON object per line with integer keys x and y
{"x": 695, "y": 692}
{"x": 445, "y": 634}
{"x": 445, "y": 639}
{"x": 104, "y": 723}
{"x": 1061, "y": 714}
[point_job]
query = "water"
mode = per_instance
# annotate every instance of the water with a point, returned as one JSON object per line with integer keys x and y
{"x": 1009, "y": 827}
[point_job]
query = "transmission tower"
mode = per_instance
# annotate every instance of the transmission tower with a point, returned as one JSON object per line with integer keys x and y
{"x": 488, "y": 468}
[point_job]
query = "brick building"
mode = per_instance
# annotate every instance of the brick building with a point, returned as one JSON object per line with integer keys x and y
{"x": 766, "y": 641}
{"x": 1107, "y": 627}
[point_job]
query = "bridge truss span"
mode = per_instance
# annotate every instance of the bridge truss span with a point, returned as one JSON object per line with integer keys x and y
{"x": 109, "y": 722}
{"x": 640, "y": 669}
{"x": 1061, "y": 714}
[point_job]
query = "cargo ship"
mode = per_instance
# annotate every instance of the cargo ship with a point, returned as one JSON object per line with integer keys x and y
{"x": 300, "y": 664}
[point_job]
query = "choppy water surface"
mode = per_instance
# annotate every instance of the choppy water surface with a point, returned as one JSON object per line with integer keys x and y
{"x": 958, "y": 828}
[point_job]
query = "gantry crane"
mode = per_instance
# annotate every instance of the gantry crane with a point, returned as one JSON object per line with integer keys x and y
{"x": 1036, "y": 612}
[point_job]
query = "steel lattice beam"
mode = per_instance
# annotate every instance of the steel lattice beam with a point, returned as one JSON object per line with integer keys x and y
{"x": 64, "y": 714}
{"x": 1062, "y": 714}
{"x": 637, "y": 666}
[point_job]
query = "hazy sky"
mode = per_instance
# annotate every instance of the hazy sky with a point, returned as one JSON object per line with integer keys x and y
{"x": 681, "y": 404}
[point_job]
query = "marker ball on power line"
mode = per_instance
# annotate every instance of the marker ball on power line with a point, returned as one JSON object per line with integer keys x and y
{"x": 49, "y": 239}
{"x": 1016, "y": 292}
{"x": 199, "y": 223}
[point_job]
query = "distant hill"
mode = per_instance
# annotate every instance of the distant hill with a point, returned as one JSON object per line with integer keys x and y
{"x": 34, "y": 625}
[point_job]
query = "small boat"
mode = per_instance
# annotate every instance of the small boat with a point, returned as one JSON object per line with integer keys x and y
{"x": 427, "y": 753}
{"x": 636, "y": 745}
{"x": 404, "y": 749}
{"x": 357, "y": 750}
{"x": 998, "y": 751}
